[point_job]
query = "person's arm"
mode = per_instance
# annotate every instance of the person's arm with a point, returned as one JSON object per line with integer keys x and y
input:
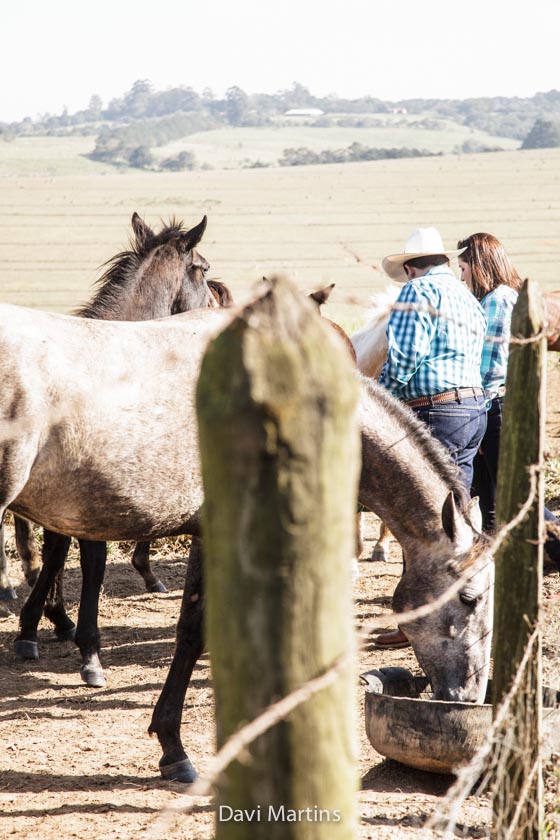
{"x": 410, "y": 332}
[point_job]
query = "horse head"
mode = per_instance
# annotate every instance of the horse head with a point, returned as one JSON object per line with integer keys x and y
{"x": 174, "y": 257}
{"x": 453, "y": 642}
{"x": 161, "y": 274}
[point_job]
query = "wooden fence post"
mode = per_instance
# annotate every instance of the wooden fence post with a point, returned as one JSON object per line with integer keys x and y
{"x": 517, "y": 780}
{"x": 279, "y": 443}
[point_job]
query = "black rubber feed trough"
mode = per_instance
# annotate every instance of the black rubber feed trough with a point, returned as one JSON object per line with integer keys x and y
{"x": 405, "y": 724}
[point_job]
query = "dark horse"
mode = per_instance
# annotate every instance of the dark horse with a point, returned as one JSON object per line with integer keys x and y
{"x": 161, "y": 274}
{"x": 98, "y": 438}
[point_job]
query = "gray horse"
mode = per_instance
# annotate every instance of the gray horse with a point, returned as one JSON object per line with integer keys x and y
{"x": 160, "y": 274}
{"x": 99, "y": 440}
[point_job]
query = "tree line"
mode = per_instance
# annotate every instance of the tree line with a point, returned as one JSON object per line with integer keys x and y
{"x": 130, "y": 127}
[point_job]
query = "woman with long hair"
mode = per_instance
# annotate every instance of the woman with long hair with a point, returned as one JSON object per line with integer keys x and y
{"x": 488, "y": 272}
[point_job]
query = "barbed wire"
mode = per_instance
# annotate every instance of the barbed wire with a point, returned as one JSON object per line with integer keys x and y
{"x": 273, "y": 714}
{"x": 467, "y": 776}
{"x": 385, "y": 311}
{"x": 497, "y": 541}
{"x": 238, "y": 743}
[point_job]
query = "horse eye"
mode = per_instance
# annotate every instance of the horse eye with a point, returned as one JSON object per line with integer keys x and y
{"x": 468, "y": 598}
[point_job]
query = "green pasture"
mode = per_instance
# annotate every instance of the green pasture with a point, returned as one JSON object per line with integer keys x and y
{"x": 233, "y": 147}
{"x": 49, "y": 156}
{"x": 319, "y": 224}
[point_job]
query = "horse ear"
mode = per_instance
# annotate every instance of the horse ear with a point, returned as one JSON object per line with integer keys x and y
{"x": 142, "y": 231}
{"x": 195, "y": 234}
{"x": 474, "y": 514}
{"x": 455, "y": 525}
{"x": 321, "y": 295}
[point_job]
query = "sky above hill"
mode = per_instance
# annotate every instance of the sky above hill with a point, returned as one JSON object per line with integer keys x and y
{"x": 59, "y": 53}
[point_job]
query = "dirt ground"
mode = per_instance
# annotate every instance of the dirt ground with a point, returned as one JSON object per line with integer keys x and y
{"x": 77, "y": 762}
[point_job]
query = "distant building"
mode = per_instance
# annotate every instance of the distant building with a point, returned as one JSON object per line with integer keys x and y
{"x": 399, "y": 111}
{"x": 303, "y": 112}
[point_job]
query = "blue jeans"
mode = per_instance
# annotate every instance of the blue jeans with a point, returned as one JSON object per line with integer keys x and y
{"x": 458, "y": 425}
{"x": 486, "y": 476}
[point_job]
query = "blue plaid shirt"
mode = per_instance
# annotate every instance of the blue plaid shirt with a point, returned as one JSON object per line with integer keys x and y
{"x": 437, "y": 345}
{"x": 498, "y": 306}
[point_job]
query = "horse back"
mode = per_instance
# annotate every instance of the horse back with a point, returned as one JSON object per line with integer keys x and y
{"x": 110, "y": 424}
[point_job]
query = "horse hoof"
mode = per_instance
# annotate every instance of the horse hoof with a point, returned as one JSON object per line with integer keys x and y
{"x": 24, "y": 649}
{"x": 380, "y": 555}
{"x": 93, "y": 676}
{"x": 7, "y": 593}
{"x": 158, "y": 586}
{"x": 66, "y": 634}
{"x": 180, "y": 771}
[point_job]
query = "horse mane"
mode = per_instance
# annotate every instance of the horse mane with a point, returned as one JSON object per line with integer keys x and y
{"x": 434, "y": 452}
{"x": 122, "y": 267}
{"x": 220, "y": 293}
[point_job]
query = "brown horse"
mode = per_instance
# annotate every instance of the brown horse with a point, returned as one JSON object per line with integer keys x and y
{"x": 552, "y": 309}
{"x": 160, "y": 274}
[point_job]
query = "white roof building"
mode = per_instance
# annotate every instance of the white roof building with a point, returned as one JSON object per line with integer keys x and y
{"x": 303, "y": 112}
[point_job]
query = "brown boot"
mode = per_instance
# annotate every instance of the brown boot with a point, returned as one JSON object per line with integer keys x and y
{"x": 392, "y": 641}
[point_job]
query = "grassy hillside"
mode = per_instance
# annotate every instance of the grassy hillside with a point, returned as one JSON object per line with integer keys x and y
{"x": 321, "y": 224}
{"x": 228, "y": 148}
{"x": 49, "y": 156}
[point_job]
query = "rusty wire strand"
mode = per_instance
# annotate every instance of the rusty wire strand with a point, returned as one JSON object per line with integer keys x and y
{"x": 467, "y": 776}
{"x": 273, "y": 714}
{"x": 239, "y": 741}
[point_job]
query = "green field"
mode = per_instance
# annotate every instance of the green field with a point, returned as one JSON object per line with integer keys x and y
{"x": 320, "y": 224}
{"x": 50, "y": 156}
{"x": 233, "y": 147}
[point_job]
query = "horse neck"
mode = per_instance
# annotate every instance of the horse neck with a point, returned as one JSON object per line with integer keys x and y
{"x": 398, "y": 482}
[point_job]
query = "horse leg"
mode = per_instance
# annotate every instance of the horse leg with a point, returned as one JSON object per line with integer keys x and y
{"x": 7, "y": 591}
{"x": 55, "y": 609}
{"x": 358, "y": 548}
{"x": 166, "y": 720}
{"x": 55, "y": 548}
{"x": 381, "y": 548}
{"x": 141, "y": 562}
{"x": 27, "y": 549}
{"x": 93, "y": 558}
{"x": 358, "y": 538}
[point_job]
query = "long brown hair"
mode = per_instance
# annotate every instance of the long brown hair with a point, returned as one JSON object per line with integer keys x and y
{"x": 490, "y": 264}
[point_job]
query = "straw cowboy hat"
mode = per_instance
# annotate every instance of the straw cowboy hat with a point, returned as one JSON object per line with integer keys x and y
{"x": 422, "y": 242}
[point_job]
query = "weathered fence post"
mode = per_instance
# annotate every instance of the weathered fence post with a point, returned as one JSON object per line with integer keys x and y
{"x": 280, "y": 460}
{"x": 517, "y": 782}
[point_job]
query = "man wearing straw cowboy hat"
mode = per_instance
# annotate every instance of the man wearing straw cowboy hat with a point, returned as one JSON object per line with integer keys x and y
{"x": 435, "y": 336}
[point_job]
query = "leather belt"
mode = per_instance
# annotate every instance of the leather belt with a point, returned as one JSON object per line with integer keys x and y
{"x": 454, "y": 395}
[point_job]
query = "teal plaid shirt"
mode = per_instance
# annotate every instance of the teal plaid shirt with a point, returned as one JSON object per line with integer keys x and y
{"x": 435, "y": 345}
{"x": 498, "y": 306}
